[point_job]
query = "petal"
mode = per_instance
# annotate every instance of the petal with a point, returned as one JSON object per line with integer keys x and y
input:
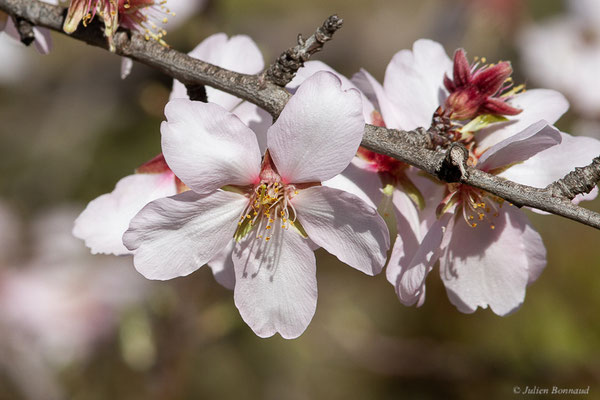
{"x": 484, "y": 267}
{"x": 106, "y": 218}
{"x": 174, "y": 236}
{"x": 256, "y": 119}
{"x": 410, "y": 284}
{"x": 276, "y": 284}
{"x": 318, "y": 132}
{"x": 222, "y": 266}
{"x": 555, "y": 162}
{"x": 208, "y": 147}
{"x": 414, "y": 83}
{"x": 408, "y": 237}
{"x": 43, "y": 40}
{"x": 360, "y": 182}
{"x": 312, "y": 67}
{"x": 126, "y": 66}
{"x": 536, "y": 138}
{"x": 345, "y": 226}
{"x": 537, "y": 104}
{"x": 238, "y": 53}
{"x": 392, "y": 117}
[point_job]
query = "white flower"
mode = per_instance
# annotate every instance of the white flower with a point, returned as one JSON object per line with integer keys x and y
{"x": 275, "y": 209}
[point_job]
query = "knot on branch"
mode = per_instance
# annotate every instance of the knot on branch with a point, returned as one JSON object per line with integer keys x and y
{"x": 580, "y": 181}
{"x": 25, "y": 29}
{"x": 454, "y": 165}
{"x": 282, "y": 71}
{"x": 197, "y": 93}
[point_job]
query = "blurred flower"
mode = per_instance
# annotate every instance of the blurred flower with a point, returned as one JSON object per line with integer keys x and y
{"x": 275, "y": 209}
{"x": 106, "y": 218}
{"x": 57, "y": 307}
{"x": 564, "y": 53}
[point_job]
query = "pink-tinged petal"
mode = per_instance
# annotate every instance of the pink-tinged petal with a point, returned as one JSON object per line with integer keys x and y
{"x": 126, "y": 66}
{"x": 312, "y": 67}
{"x": 492, "y": 267}
{"x": 410, "y": 284}
{"x": 520, "y": 147}
{"x": 208, "y": 147}
{"x": 238, "y": 53}
{"x": 345, "y": 226}
{"x": 391, "y": 115}
{"x": 11, "y": 30}
{"x": 408, "y": 237}
{"x": 537, "y": 104}
{"x": 360, "y": 182}
{"x": 222, "y": 266}
{"x": 276, "y": 284}
{"x": 43, "y": 40}
{"x": 174, "y": 236}
{"x": 318, "y": 132}
{"x": 555, "y": 162}
{"x": 256, "y": 119}
{"x": 106, "y": 218}
{"x": 414, "y": 83}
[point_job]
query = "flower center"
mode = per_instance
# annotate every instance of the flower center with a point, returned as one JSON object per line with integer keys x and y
{"x": 268, "y": 210}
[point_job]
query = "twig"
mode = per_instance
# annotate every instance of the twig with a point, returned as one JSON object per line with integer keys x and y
{"x": 412, "y": 147}
{"x": 282, "y": 71}
{"x": 580, "y": 181}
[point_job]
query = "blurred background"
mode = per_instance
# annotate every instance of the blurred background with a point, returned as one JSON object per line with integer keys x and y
{"x": 78, "y": 326}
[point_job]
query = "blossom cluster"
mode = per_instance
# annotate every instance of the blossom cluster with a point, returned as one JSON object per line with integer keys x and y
{"x": 252, "y": 198}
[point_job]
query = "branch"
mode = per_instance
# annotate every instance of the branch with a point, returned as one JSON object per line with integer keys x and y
{"x": 290, "y": 61}
{"x": 411, "y": 147}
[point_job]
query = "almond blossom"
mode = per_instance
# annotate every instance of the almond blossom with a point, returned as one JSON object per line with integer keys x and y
{"x": 276, "y": 209}
{"x": 144, "y": 16}
{"x": 106, "y": 218}
{"x": 488, "y": 254}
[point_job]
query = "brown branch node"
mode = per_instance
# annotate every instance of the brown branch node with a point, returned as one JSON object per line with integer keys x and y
{"x": 454, "y": 164}
{"x": 579, "y": 181}
{"x": 283, "y": 70}
{"x": 25, "y": 29}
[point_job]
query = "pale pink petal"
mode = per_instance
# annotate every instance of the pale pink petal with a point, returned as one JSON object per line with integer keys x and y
{"x": 318, "y": 132}
{"x": 520, "y": 147}
{"x": 414, "y": 83}
{"x": 208, "y": 147}
{"x": 391, "y": 116}
{"x": 359, "y": 181}
{"x": 492, "y": 267}
{"x": 174, "y": 236}
{"x": 345, "y": 226}
{"x": 11, "y": 30}
{"x": 222, "y": 266}
{"x": 126, "y": 66}
{"x": 312, "y": 67}
{"x": 408, "y": 238}
{"x": 555, "y": 162}
{"x": 537, "y": 104}
{"x": 410, "y": 284}
{"x": 43, "y": 40}
{"x": 276, "y": 285}
{"x": 256, "y": 119}
{"x": 107, "y": 217}
{"x": 238, "y": 53}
